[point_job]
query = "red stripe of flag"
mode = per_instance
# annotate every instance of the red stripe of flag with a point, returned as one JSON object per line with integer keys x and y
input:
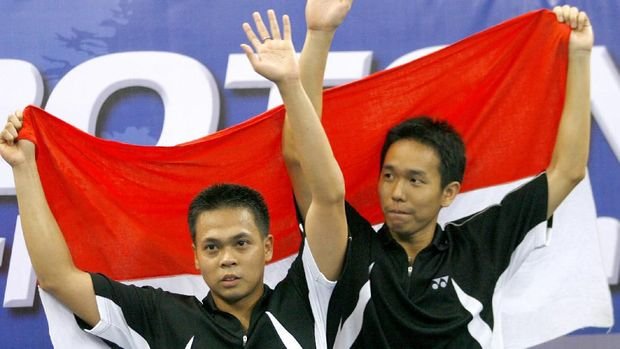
{"x": 123, "y": 207}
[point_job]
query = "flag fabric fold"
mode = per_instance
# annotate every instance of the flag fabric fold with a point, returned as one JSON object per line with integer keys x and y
{"x": 122, "y": 208}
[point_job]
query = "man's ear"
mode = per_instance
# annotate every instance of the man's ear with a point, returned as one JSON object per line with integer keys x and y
{"x": 268, "y": 245}
{"x": 449, "y": 193}
{"x": 196, "y": 265}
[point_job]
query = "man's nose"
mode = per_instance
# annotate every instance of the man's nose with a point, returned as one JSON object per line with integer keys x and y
{"x": 228, "y": 258}
{"x": 397, "y": 191}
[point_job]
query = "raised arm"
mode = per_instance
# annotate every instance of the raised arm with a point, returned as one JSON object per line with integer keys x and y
{"x": 274, "y": 58}
{"x": 46, "y": 246}
{"x": 322, "y": 19}
{"x": 570, "y": 155}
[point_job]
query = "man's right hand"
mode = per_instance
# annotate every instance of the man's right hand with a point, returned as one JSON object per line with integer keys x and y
{"x": 13, "y": 150}
{"x": 273, "y": 55}
{"x": 326, "y": 15}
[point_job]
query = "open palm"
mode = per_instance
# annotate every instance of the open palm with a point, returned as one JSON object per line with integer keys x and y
{"x": 273, "y": 55}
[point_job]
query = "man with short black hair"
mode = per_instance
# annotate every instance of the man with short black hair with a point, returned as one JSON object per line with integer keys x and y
{"x": 414, "y": 284}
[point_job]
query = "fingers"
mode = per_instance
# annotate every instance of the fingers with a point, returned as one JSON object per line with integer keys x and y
{"x": 582, "y": 20}
{"x": 4, "y": 138}
{"x": 262, "y": 34}
{"x": 19, "y": 114}
{"x": 250, "y": 54}
{"x": 252, "y": 38}
{"x": 262, "y": 31}
{"x": 16, "y": 119}
{"x": 572, "y": 16}
{"x": 561, "y": 12}
{"x": 286, "y": 22}
{"x": 11, "y": 129}
{"x": 8, "y": 134}
{"x": 273, "y": 24}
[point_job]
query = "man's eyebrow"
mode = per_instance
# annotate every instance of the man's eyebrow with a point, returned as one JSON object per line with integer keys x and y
{"x": 243, "y": 234}
{"x": 240, "y": 235}
{"x": 416, "y": 173}
{"x": 211, "y": 240}
{"x": 409, "y": 172}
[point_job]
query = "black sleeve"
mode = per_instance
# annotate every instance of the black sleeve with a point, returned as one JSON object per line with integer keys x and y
{"x": 498, "y": 230}
{"x": 355, "y": 273}
{"x": 361, "y": 233}
{"x": 126, "y": 307}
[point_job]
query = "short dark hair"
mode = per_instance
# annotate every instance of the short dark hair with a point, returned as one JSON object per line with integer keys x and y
{"x": 437, "y": 134}
{"x": 229, "y": 196}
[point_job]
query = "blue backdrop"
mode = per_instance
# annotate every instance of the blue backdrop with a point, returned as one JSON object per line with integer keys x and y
{"x": 57, "y": 36}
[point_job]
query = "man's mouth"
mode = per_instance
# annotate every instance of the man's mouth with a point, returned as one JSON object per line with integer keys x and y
{"x": 397, "y": 212}
{"x": 230, "y": 280}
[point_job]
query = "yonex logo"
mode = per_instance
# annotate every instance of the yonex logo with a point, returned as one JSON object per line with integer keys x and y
{"x": 440, "y": 282}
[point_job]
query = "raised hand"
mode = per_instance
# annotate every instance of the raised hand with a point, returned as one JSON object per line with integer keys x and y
{"x": 326, "y": 15}
{"x": 273, "y": 55}
{"x": 12, "y": 150}
{"x": 582, "y": 36}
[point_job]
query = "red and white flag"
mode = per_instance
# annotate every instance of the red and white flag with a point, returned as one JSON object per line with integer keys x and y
{"x": 122, "y": 208}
